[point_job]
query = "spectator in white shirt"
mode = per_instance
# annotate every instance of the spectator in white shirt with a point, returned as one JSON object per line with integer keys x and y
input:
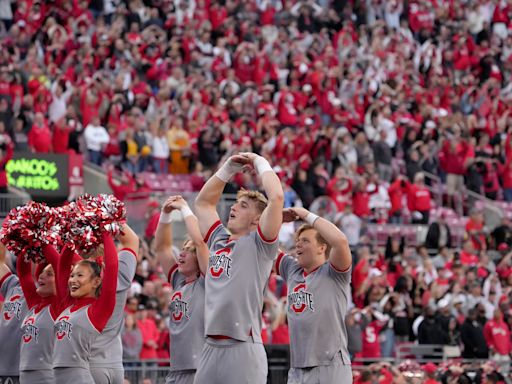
{"x": 160, "y": 151}
{"x": 96, "y": 137}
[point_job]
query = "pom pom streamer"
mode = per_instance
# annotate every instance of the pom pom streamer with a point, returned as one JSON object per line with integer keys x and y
{"x": 26, "y": 229}
{"x": 78, "y": 225}
{"x": 94, "y": 216}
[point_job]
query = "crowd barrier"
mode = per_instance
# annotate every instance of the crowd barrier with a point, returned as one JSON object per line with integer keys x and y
{"x": 278, "y": 357}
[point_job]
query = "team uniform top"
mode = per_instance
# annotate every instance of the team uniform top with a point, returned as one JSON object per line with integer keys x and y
{"x": 186, "y": 322}
{"x": 37, "y": 339}
{"x": 317, "y": 304}
{"x": 14, "y": 311}
{"x": 238, "y": 271}
{"x": 79, "y": 325}
{"x": 107, "y": 349}
{"x": 37, "y": 328}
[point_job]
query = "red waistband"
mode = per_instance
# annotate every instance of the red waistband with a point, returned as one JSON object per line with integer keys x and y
{"x": 220, "y": 337}
{"x": 224, "y": 337}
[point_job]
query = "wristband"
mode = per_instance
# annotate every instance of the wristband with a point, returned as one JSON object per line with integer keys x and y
{"x": 311, "y": 218}
{"x": 186, "y": 212}
{"x": 262, "y": 165}
{"x": 225, "y": 173}
{"x": 165, "y": 218}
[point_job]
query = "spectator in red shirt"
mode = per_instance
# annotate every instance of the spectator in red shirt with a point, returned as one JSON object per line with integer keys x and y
{"x": 6, "y": 152}
{"x": 418, "y": 199}
{"x": 60, "y": 138}
{"x": 40, "y": 137}
{"x": 153, "y": 215}
{"x": 475, "y": 230}
{"x": 150, "y": 334}
{"x": 497, "y": 335}
{"x": 371, "y": 340}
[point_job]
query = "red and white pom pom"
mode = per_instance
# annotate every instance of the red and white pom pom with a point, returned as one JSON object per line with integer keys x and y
{"x": 92, "y": 217}
{"x": 26, "y": 229}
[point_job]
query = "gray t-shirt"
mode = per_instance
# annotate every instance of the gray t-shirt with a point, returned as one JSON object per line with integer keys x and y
{"x": 238, "y": 271}
{"x": 186, "y": 321}
{"x": 317, "y": 306}
{"x": 14, "y": 311}
{"x": 37, "y": 340}
{"x": 74, "y": 338}
{"x": 107, "y": 349}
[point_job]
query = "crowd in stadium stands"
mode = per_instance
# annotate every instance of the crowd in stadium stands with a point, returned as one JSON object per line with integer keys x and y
{"x": 354, "y": 100}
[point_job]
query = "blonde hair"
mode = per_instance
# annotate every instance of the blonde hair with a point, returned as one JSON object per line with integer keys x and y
{"x": 318, "y": 237}
{"x": 258, "y": 197}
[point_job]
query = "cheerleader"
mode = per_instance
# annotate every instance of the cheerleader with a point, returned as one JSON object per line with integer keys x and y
{"x": 13, "y": 312}
{"x": 93, "y": 293}
{"x": 38, "y": 325}
{"x": 106, "y": 360}
{"x": 186, "y": 275}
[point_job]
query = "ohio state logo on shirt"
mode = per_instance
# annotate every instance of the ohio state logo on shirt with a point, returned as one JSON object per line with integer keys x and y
{"x": 12, "y": 308}
{"x": 300, "y": 299}
{"x": 220, "y": 263}
{"x": 178, "y": 307}
{"x": 63, "y": 328}
{"x": 30, "y": 330}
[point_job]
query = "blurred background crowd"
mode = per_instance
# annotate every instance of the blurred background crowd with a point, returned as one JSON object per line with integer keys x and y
{"x": 372, "y": 112}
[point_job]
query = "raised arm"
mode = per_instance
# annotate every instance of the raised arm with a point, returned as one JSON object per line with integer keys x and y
{"x": 272, "y": 217}
{"x": 129, "y": 240}
{"x": 4, "y": 269}
{"x": 62, "y": 268}
{"x": 101, "y": 310}
{"x": 163, "y": 237}
{"x": 28, "y": 286}
{"x": 209, "y": 196}
{"x": 192, "y": 225}
{"x": 340, "y": 256}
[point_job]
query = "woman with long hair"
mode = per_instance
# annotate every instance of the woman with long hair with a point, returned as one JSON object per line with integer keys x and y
{"x": 186, "y": 276}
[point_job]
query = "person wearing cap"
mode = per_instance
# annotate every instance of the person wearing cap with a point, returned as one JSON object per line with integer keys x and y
{"x": 430, "y": 370}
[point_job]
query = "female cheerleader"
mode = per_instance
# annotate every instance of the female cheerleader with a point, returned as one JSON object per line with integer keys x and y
{"x": 38, "y": 325}
{"x": 186, "y": 276}
{"x": 93, "y": 294}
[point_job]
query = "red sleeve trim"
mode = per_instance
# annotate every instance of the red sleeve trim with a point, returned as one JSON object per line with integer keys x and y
{"x": 278, "y": 262}
{"x": 340, "y": 270}
{"x": 210, "y": 231}
{"x": 171, "y": 271}
{"x": 263, "y": 237}
{"x": 129, "y": 250}
{"x": 5, "y": 278}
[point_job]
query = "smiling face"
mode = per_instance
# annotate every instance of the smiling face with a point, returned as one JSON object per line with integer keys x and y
{"x": 310, "y": 249}
{"x": 46, "y": 282}
{"x": 84, "y": 280}
{"x": 187, "y": 260}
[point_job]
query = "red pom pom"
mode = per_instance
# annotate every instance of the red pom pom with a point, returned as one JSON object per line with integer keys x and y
{"x": 27, "y": 228}
{"x": 93, "y": 216}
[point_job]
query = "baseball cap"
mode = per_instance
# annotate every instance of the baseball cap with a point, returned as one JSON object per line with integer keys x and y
{"x": 429, "y": 368}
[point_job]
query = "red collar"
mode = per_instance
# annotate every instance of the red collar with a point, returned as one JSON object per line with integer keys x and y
{"x": 80, "y": 303}
{"x": 45, "y": 301}
{"x": 304, "y": 273}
